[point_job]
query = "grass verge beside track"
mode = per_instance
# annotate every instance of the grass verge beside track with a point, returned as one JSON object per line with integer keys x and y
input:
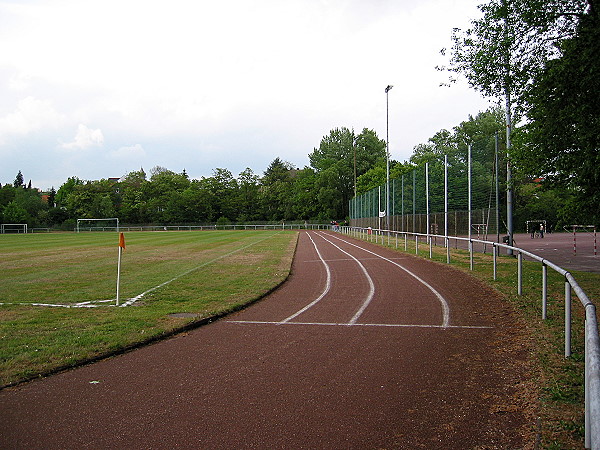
{"x": 212, "y": 272}
{"x": 559, "y": 380}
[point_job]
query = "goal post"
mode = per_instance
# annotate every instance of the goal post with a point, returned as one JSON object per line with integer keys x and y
{"x": 13, "y": 228}
{"x": 112, "y": 224}
{"x": 534, "y": 226}
{"x": 587, "y": 229}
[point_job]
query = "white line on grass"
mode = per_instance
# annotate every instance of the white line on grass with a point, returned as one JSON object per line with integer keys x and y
{"x": 132, "y": 300}
{"x": 94, "y": 303}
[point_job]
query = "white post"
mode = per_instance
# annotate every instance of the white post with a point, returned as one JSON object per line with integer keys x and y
{"x": 520, "y": 273}
{"x": 427, "y": 198}
{"x": 544, "y": 291}
{"x": 447, "y": 242}
{"x": 121, "y": 247}
{"x": 567, "y": 319}
{"x": 469, "y": 194}
{"x": 379, "y": 210}
{"x": 119, "y": 273}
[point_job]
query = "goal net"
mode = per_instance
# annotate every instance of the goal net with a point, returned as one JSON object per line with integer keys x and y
{"x": 13, "y": 228}
{"x": 533, "y": 226}
{"x": 109, "y": 224}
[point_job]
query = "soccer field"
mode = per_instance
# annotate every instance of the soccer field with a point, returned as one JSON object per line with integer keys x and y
{"x": 58, "y": 291}
{"x": 70, "y": 269}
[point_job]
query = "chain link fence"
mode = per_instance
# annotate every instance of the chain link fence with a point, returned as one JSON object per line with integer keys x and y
{"x": 424, "y": 197}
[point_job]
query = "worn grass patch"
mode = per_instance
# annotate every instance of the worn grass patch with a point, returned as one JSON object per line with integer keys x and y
{"x": 212, "y": 272}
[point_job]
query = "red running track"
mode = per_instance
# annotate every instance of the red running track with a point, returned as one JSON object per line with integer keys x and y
{"x": 363, "y": 347}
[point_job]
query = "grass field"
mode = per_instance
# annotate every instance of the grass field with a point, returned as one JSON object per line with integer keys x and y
{"x": 206, "y": 273}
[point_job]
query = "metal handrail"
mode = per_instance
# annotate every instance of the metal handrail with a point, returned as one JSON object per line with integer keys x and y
{"x": 592, "y": 339}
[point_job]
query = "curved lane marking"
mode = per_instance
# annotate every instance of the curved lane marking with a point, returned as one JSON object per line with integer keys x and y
{"x": 369, "y": 279}
{"x": 323, "y": 294}
{"x": 441, "y": 299}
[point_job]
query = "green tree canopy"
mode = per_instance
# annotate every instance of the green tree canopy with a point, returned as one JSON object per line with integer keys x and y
{"x": 340, "y": 156}
{"x": 562, "y": 140}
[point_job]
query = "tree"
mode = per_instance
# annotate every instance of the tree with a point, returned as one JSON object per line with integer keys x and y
{"x": 504, "y": 50}
{"x": 52, "y": 197}
{"x": 13, "y": 213}
{"x": 340, "y": 155}
{"x": 162, "y": 195}
{"x": 92, "y": 200}
{"x": 66, "y": 189}
{"x": 562, "y": 140}
{"x": 18, "y": 180}
{"x": 248, "y": 208}
{"x": 304, "y": 195}
{"x": 223, "y": 188}
{"x": 275, "y": 191}
{"x": 7, "y": 194}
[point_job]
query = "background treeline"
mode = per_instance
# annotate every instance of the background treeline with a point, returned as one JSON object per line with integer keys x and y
{"x": 281, "y": 193}
{"x": 343, "y": 162}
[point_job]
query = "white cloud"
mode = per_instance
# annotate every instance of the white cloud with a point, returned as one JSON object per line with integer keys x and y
{"x": 133, "y": 153}
{"x": 208, "y": 84}
{"x": 31, "y": 114}
{"x": 84, "y": 139}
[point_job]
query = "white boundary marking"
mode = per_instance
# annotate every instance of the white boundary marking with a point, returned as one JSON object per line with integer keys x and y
{"x": 132, "y": 300}
{"x": 345, "y": 324}
{"x": 442, "y": 300}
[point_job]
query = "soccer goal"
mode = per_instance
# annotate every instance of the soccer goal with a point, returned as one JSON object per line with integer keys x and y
{"x": 587, "y": 229}
{"x": 534, "y": 227}
{"x": 109, "y": 224}
{"x": 13, "y": 228}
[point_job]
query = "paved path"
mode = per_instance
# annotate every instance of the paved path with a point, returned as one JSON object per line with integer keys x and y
{"x": 558, "y": 248}
{"x": 362, "y": 348}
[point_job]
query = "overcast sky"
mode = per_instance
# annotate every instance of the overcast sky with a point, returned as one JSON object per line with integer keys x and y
{"x": 97, "y": 89}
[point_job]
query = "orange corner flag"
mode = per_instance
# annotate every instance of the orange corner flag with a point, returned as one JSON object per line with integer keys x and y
{"x": 122, "y": 241}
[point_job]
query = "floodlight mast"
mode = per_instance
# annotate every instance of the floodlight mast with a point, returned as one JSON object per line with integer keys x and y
{"x": 387, "y": 159}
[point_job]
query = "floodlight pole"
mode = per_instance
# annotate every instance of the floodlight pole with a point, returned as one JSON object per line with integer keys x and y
{"x": 387, "y": 151}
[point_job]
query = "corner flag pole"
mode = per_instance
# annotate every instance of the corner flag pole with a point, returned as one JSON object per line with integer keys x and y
{"x": 121, "y": 248}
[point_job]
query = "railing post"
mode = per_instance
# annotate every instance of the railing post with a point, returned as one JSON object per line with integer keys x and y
{"x": 416, "y": 244}
{"x": 586, "y": 387}
{"x": 471, "y": 254}
{"x": 567, "y": 319}
{"x": 447, "y": 250}
{"x": 520, "y": 274}
{"x": 592, "y": 382}
{"x": 494, "y": 254}
{"x": 544, "y": 291}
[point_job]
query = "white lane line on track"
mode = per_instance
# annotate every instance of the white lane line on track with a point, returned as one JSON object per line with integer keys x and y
{"x": 442, "y": 300}
{"x": 345, "y": 259}
{"x": 323, "y": 294}
{"x": 383, "y": 325}
{"x": 369, "y": 279}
